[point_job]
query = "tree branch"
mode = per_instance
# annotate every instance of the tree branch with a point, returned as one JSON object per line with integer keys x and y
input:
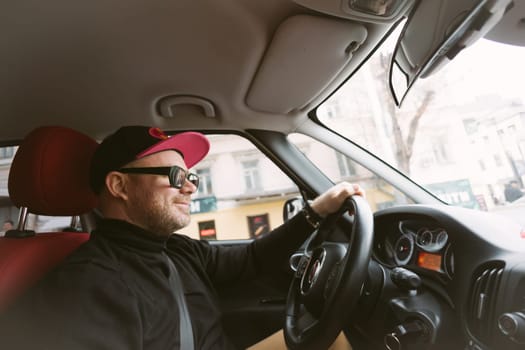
{"x": 412, "y": 131}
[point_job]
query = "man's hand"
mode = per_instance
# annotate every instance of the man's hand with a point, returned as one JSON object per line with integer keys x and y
{"x": 331, "y": 200}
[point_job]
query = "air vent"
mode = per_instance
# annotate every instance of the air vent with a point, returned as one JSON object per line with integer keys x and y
{"x": 482, "y": 300}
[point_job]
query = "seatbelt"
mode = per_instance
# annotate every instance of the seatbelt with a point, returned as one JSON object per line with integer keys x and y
{"x": 186, "y": 331}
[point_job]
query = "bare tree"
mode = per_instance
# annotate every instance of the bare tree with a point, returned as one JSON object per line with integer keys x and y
{"x": 403, "y": 139}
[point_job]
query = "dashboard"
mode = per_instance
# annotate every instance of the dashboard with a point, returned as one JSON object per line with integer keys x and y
{"x": 417, "y": 243}
{"x": 443, "y": 277}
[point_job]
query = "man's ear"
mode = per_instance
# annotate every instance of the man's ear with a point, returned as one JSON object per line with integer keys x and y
{"x": 117, "y": 184}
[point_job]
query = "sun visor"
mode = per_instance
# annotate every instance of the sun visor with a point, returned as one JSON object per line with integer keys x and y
{"x": 305, "y": 55}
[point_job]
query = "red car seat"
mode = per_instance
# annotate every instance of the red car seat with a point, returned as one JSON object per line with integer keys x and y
{"x": 49, "y": 176}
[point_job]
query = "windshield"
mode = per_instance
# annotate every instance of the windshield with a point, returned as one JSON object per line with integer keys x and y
{"x": 460, "y": 133}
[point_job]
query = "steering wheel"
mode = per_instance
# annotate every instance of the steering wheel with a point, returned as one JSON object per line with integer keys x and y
{"x": 328, "y": 280}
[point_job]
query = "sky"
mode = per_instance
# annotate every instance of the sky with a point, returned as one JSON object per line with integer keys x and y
{"x": 492, "y": 67}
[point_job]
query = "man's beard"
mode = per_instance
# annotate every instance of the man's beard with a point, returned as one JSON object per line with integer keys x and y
{"x": 159, "y": 217}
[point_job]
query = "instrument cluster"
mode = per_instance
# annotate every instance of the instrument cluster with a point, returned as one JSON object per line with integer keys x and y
{"x": 418, "y": 244}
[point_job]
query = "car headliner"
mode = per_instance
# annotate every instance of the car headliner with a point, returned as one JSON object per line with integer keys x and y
{"x": 97, "y": 65}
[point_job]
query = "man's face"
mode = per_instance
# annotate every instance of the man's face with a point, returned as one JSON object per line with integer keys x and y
{"x": 152, "y": 203}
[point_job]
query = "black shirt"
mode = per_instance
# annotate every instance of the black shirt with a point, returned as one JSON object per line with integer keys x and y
{"x": 113, "y": 292}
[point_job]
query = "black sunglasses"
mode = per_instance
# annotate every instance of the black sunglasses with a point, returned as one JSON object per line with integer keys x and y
{"x": 176, "y": 174}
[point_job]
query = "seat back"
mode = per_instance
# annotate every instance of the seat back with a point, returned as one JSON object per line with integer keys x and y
{"x": 49, "y": 176}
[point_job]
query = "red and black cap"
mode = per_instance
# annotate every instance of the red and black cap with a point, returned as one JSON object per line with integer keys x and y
{"x": 130, "y": 143}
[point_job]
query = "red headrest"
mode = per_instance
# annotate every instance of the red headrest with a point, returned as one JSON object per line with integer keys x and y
{"x": 50, "y": 172}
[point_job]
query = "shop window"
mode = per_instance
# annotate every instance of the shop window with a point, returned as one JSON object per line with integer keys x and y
{"x": 258, "y": 225}
{"x": 207, "y": 230}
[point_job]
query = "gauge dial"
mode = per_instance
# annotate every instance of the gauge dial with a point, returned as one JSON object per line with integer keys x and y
{"x": 404, "y": 248}
{"x": 431, "y": 240}
{"x": 424, "y": 237}
{"x": 441, "y": 238}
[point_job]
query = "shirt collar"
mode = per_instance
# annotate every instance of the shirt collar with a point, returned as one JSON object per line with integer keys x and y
{"x": 128, "y": 234}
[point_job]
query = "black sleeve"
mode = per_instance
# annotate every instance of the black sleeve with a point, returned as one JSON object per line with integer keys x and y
{"x": 266, "y": 253}
{"x": 85, "y": 307}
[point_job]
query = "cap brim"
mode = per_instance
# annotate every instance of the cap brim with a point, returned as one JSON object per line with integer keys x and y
{"x": 193, "y": 145}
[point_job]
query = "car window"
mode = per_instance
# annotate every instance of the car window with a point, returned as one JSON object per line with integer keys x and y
{"x": 460, "y": 133}
{"x": 338, "y": 167}
{"x": 241, "y": 192}
{"x": 9, "y": 213}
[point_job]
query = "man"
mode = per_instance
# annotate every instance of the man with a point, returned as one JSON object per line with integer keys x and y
{"x": 119, "y": 290}
{"x": 6, "y": 226}
{"x": 512, "y": 191}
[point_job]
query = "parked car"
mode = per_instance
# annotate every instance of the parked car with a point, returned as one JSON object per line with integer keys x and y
{"x": 296, "y": 95}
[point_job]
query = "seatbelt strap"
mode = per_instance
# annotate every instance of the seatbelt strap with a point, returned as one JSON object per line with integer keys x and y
{"x": 186, "y": 331}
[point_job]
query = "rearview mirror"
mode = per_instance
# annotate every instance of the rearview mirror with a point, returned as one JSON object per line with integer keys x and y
{"x": 435, "y": 32}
